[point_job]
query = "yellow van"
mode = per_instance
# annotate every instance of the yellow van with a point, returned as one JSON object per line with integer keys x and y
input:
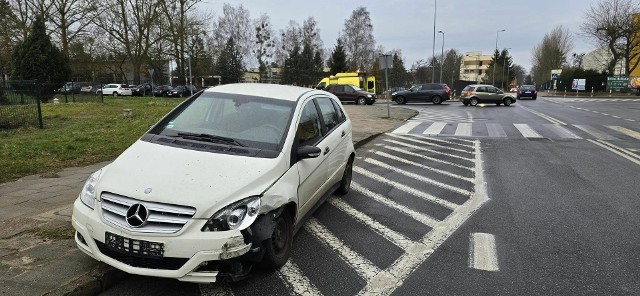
{"x": 360, "y": 79}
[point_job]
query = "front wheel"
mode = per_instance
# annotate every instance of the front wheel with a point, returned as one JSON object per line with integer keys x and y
{"x": 436, "y": 100}
{"x": 361, "y": 101}
{"x": 507, "y": 102}
{"x": 345, "y": 183}
{"x": 473, "y": 102}
{"x": 498, "y": 104}
{"x": 465, "y": 103}
{"x": 115, "y": 94}
{"x": 401, "y": 100}
{"x": 278, "y": 246}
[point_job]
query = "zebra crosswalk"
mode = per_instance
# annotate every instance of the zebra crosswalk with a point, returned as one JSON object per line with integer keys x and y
{"x": 590, "y": 100}
{"x": 517, "y": 130}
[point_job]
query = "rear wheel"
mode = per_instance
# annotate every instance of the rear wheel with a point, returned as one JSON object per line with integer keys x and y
{"x": 361, "y": 101}
{"x": 278, "y": 246}
{"x": 465, "y": 103}
{"x": 473, "y": 102}
{"x": 345, "y": 183}
{"x": 436, "y": 100}
{"x": 115, "y": 94}
{"x": 401, "y": 100}
{"x": 507, "y": 102}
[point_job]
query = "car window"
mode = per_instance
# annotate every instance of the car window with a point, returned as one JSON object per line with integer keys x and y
{"x": 348, "y": 88}
{"x": 468, "y": 88}
{"x": 416, "y": 87}
{"x": 341, "y": 117}
{"x": 328, "y": 113}
{"x": 338, "y": 88}
{"x": 309, "y": 128}
{"x": 482, "y": 89}
{"x": 370, "y": 84}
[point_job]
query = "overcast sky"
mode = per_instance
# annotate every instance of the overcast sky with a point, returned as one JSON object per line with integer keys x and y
{"x": 469, "y": 25}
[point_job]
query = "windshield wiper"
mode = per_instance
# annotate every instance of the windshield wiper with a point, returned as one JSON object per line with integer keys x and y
{"x": 209, "y": 138}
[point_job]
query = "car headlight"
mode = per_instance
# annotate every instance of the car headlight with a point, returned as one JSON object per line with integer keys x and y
{"x": 88, "y": 194}
{"x": 369, "y": 96}
{"x": 394, "y": 93}
{"x": 236, "y": 216}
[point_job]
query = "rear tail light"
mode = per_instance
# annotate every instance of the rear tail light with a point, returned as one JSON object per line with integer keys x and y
{"x": 535, "y": 92}
{"x": 468, "y": 94}
{"x": 447, "y": 90}
{"x": 519, "y": 92}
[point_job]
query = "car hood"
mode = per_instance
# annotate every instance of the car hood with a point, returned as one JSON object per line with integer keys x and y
{"x": 204, "y": 180}
{"x": 402, "y": 92}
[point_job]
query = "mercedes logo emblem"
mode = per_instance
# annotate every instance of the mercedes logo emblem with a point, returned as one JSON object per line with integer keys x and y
{"x": 147, "y": 191}
{"x": 137, "y": 215}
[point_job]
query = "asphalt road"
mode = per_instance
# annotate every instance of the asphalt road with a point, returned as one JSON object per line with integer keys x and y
{"x": 537, "y": 198}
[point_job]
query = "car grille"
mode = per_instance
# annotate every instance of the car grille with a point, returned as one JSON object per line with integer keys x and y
{"x": 169, "y": 263}
{"x": 163, "y": 218}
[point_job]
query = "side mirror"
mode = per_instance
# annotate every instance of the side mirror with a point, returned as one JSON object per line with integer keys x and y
{"x": 305, "y": 152}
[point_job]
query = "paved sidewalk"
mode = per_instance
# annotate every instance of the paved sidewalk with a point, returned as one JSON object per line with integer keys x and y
{"x": 38, "y": 255}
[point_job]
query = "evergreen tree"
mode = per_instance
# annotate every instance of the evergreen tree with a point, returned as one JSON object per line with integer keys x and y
{"x": 397, "y": 73}
{"x": 305, "y": 66}
{"x": 37, "y": 58}
{"x": 229, "y": 64}
{"x": 291, "y": 70}
{"x": 338, "y": 61}
{"x": 318, "y": 67}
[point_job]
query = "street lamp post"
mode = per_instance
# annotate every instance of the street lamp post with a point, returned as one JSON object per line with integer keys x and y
{"x": 494, "y": 64}
{"x": 442, "y": 53}
{"x": 433, "y": 56}
{"x": 506, "y": 59}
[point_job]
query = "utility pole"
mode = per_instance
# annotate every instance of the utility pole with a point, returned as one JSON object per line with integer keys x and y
{"x": 493, "y": 71}
{"x": 433, "y": 56}
{"x": 442, "y": 53}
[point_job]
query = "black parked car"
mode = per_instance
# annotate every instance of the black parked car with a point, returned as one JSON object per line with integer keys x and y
{"x": 142, "y": 89}
{"x": 182, "y": 91}
{"x": 162, "y": 90}
{"x": 427, "y": 92}
{"x": 527, "y": 91}
{"x": 351, "y": 93}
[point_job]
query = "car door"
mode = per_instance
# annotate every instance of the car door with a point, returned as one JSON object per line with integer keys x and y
{"x": 350, "y": 94}
{"x": 334, "y": 134}
{"x": 496, "y": 97}
{"x": 427, "y": 92}
{"x": 312, "y": 172}
{"x": 482, "y": 93}
{"x": 338, "y": 91}
{"x": 414, "y": 93}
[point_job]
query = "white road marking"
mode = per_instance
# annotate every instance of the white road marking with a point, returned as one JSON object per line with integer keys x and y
{"x": 295, "y": 279}
{"x": 392, "y": 236}
{"x": 435, "y": 128}
{"x": 482, "y": 252}
{"x": 428, "y": 143}
{"x": 215, "y": 289}
{"x": 427, "y": 149}
{"x": 547, "y": 117}
{"x": 422, "y": 218}
{"x": 629, "y": 119}
{"x": 463, "y": 129}
{"x": 495, "y": 130}
{"x": 562, "y": 132}
{"x": 418, "y": 177}
{"x": 625, "y": 131}
{"x": 632, "y": 159}
{"x": 596, "y": 133}
{"x": 361, "y": 265}
{"x": 386, "y": 283}
{"x": 527, "y": 131}
{"x": 407, "y": 127}
{"x": 396, "y": 149}
{"x": 407, "y": 189}
{"x": 437, "y": 140}
{"x": 452, "y": 175}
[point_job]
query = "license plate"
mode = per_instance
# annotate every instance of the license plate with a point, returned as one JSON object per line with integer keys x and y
{"x": 527, "y": 92}
{"x": 134, "y": 247}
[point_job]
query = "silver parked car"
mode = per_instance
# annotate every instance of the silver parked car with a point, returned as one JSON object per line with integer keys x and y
{"x": 480, "y": 93}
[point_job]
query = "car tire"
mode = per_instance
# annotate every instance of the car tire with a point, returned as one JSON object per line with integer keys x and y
{"x": 401, "y": 100}
{"x": 278, "y": 247}
{"x": 437, "y": 100}
{"x": 361, "y": 101}
{"x": 99, "y": 93}
{"x": 115, "y": 93}
{"x": 465, "y": 103}
{"x": 345, "y": 183}
{"x": 535, "y": 98}
{"x": 473, "y": 101}
{"x": 498, "y": 104}
{"x": 507, "y": 102}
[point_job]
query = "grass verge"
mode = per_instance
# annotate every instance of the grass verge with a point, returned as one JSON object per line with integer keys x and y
{"x": 77, "y": 134}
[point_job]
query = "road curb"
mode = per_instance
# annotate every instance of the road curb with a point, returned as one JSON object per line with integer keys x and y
{"x": 93, "y": 283}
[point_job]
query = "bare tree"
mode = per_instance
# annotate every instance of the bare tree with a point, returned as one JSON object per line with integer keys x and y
{"x": 358, "y": 39}
{"x": 289, "y": 38}
{"x": 25, "y": 12}
{"x": 311, "y": 34}
{"x": 70, "y": 20}
{"x": 610, "y": 23}
{"x": 264, "y": 43}
{"x": 235, "y": 23}
{"x": 551, "y": 53}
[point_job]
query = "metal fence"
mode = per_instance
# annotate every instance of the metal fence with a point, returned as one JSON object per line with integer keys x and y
{"x": 20, "y": 104}
{"x": 73, "y": 92}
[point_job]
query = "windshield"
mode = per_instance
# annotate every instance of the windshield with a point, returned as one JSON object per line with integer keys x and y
{"x": 255, "y": 122}
{"x": 415, "y": 87}
{"x": 527, "y": 87}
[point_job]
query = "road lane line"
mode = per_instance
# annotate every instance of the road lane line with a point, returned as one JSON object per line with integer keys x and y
{"x": 427, "y": 149}
{"x": 527, "y": 131}
{"x": 361, "y": 265}
{"x": 623, "y": 150}
{"x": 594, "y": 132}
{"x": 407, "y": 189}
{"x": 420, "y": 217}
{"x": 562, "y": 132}
{"x": 463, "y": 129}
{"x": 482, "y": 252}
{"x": 295, "y": 279}
{"x": 616, "y": 152}
{"x": 418, "y": 177}
{"x": 410, "y": 261}
{"x": 392, "y": 236}
{"x": 452, "y": 175}
{"x": 495, "y": 130}
{"x": 435, "y": 128}
{"x": 614, "y": 116}
{"x": 436, "y": 140}
{"x": 407, "y": 127}
{"x": 396, "y": 149}
{"x": 547, "y": 117}
{"x": 625, "y": 131}
{"x": 437, "y": 145}
{"x": 629, "y": 119}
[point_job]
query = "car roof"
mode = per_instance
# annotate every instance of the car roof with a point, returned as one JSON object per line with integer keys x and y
{"x": 274, "y": 91}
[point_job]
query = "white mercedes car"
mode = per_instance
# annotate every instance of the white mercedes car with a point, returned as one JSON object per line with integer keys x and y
{"x": 220, "y": 184}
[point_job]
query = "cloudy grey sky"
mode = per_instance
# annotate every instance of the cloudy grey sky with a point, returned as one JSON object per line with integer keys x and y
{"x": 469, "y": 25}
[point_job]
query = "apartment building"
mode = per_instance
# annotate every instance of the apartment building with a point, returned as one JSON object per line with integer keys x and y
{"x": 474, "y": 66}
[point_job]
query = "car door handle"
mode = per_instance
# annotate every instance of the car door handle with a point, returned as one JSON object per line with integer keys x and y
{"x": 326, "y": 150}
{"x": 342, "y": 135}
